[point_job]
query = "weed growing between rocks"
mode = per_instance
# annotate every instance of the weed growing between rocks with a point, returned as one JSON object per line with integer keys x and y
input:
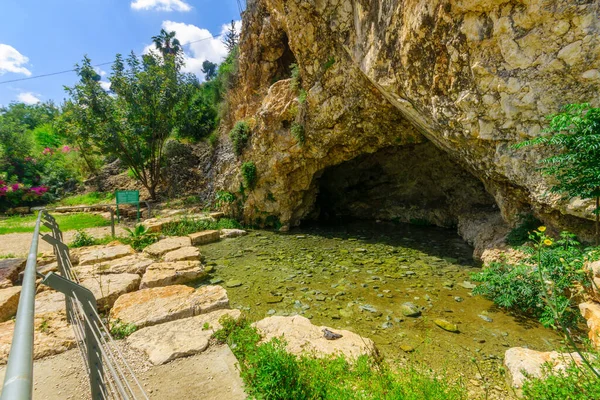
{"x": 298, "y": 132}
{"x": 271, "y": 373}
{"x": 186, "y": 226}
{"x": 575, "y": 383}
{"x": 83, "y": 239}
{"x": 249, "y": 174}
{"x": 120, "y": 330}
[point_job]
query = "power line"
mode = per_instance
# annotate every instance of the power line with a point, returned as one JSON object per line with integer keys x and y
{"x": 95, "y": 65}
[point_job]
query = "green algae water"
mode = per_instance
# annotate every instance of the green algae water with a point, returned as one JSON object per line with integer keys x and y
{"x": 385, "y": 281}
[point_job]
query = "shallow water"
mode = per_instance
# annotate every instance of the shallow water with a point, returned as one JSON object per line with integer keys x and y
{"x": 357, "y": 276}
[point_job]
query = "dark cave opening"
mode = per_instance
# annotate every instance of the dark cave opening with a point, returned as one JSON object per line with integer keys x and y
{"x": 285, "y": 61}
{"x": 416, "y": 184}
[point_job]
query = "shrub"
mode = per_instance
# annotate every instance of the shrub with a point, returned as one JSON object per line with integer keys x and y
{"x": 520, "y": 234}
{"x": 249, "y": 174}
{"x": 298, "y": 132}
{"x": 139, "y": 237}
{"x": 186, "y": 226}
{"x": 575, "y": 383}
{"x": 296, "y": 79}
{"x": 120, "y": 330}
{"x": 82, "y": 239}
{"x": 224, "y": 197}
{"x": 239, "y": 135}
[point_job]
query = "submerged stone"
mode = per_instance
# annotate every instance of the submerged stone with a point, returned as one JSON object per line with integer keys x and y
{"x": 410, "y": 310}
{"x": 445, "y": 325}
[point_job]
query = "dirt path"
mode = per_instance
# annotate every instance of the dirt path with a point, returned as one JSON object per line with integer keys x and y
{"x": 17, "y": 244}
{"x": 210, "y": 375}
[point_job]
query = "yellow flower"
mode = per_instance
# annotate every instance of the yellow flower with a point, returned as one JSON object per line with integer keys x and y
{"x": 542, "y": 229}
{"x": 547, "y": 242}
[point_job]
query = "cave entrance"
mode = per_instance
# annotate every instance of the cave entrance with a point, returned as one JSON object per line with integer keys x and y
{"x": 284, "y": 63}
{"x": 416, "y": 184}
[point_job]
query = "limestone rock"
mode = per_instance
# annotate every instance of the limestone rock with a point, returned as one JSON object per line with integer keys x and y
{"x": 166, "y": 245}
{"x": 9, "y": 271}
{"x": 98, "y": 254}
{"x": 232, "y": 233}
{"x": 155, "y": 225}
{"x": 9, "y": 301}
{"x": 49, "y": 301}
{"x": 591, "y": 312}
{"x": 133, "y": 264}
{"x": 204, "y": 237}
{"x": 153, "y": 306}
{"x": 165, "y": 342}
{"x": 52, "y": 336}
{"x": 304, "y": 337}
{"x": 189, "y": 253}
{"x": 172, "y": 273}
{"x": 518, "y": 360}
{"x": 107, "y": 288}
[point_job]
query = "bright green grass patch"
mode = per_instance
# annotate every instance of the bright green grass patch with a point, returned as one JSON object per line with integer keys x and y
{"x": 87, "y": 199}
{"x": 271, "y": 373}
{"x": 66, "y": 222}
{"x": 185, "y": 226}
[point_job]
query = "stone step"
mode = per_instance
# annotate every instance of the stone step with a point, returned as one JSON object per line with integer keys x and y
{"x": 172, "y": 273}
{"x": 99, "y": 254}
{"x": 133, "y": 264}
{"x": 108, "y": 288}
{"x": 9, "y": 301}
{"x": 167, "y": 245}
{"x": 166, "y": 342}
{"x": 158, "y": 305}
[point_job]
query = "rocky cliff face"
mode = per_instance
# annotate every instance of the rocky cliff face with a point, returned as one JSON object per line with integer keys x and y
{"x": 408, "y": 81}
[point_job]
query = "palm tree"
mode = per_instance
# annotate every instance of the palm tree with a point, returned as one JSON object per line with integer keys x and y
{"x": 167, "y": 43}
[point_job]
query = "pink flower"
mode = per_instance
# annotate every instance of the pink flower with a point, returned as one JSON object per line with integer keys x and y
{"x": 3, "y": 190}
{"x": 39, "y": 190}
{"x": 66, "y": 149}
{"x": 47, "y": 150}
{"x": 15, "y": 186}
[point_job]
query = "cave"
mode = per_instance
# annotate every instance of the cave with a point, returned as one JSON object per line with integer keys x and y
{"x": 416, "y": 184}
{"x": 283, "y": 69}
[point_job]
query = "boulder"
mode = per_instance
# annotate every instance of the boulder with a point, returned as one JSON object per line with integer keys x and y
{"x": 157, "y": 305}
{"x": 188, "y": 253}
{"x": 232, "y": 233}
{"x": 107, "y": 288}
{"x": 133, "y": 264}
{"x": 204, "y": 237}
{"x": 594, "y": 268}
{"x": 172, "y": 273}
{"x": 185, "y": 337}
{"x": 521, "y": 362}
{"x": 49, "y": 301}
{"x": 99, "y": 254}
{"x": 9, "y": 271}
{"x": 9, "y": 301}
{"x": 166, "y": 245}
{"x": 302, "y": 336}
{"x": 52, "y": 336}
{"x": 217, "y": 215}
{"x": 591, "y": 312}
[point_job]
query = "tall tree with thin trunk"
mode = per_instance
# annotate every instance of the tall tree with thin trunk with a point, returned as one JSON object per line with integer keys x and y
{"x": 231, "y": 38}
{"x": 574, "y": 137}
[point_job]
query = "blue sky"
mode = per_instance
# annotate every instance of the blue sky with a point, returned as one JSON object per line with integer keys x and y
{"x": 45, "y": 36}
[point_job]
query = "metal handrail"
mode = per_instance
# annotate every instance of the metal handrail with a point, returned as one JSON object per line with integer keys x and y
{"x": 18, "y": 381}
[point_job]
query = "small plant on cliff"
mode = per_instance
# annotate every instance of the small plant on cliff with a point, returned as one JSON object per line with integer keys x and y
{"x": 223, "y": 198}
{"x": 302, "y": 96}
{"x": 239, "y": 135}
{"x": 120, "y": 330}
{"x": 574, "y": 139}
{"x": 329, "y": 63}
{"x": 298, "y": 132}
{"x": 296, "y": 79}
{"x": 249, "y": 174}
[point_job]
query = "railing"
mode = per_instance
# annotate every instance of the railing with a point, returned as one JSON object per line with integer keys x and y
{"x": 110, "y": 375}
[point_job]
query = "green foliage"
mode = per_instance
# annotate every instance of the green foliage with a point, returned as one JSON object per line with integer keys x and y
{"x": 296, "y": 79}
{"x": 329, "y": 63}
{"x": 209, "y": 69}
{"x": 239, "y": 135}
{"x": 224, "y": 197}
{"x": 519, "y": 235}
{"x": 575, "y": 383}
{"x": 82, "y": 239}
{"x": 66, "y": 222}
{"x": 544, "y": 284}
{"x": 298, "y": 132}
{"x": 186, "y": 226}
{"x": 90, "y": 198}
{"x": 272, "y": 221}
{"x": 302, "y": 96}
{"x": 139, "y": 237}
{"x": 199, "y": 116}
{"x": 271, "y": 373}
{"x": 120, "y": 330}
{"x": 574, "y": 140}
{"x": 213, "y": 139}
{"x": 249, "y": 174}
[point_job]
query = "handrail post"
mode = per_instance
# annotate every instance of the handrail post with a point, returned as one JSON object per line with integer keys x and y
{"x": 18, "y": 381}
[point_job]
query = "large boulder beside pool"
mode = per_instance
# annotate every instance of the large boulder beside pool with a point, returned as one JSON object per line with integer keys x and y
{"x": 132, "y": 264}
{"x": 302, "y": 336}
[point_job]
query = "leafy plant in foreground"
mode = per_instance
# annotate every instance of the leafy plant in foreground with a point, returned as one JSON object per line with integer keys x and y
{"x": 140, "y": 238}
{"x": 120, "y": 330}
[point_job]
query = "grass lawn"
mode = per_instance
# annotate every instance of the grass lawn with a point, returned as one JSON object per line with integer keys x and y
{"x": 66, "y": 222}
{"x": 87, "y": 199}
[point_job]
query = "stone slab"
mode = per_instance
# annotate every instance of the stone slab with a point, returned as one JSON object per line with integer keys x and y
{"x": 166, "y": 245}
{"x": 133, "y": 264}
{"x": 188, "y": 253}
{"x": 205, "y": 237}
{"x": 108, "y": 288}
{"x": 172, "y": 273}
{"x": 185, "y": 337}
{"x": 49, "y": 301}
{"x": 9, "y": 271}
{"x": 99, "y": 254}
{"x": 232, "y": 233}
{"x": 304, "y": 337}
{"x": 158, "y": 305}
{"x": 9, "y": 301}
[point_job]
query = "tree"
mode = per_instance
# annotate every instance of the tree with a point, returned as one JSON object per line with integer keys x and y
{"x": 134, "y": 124}
{"x": 231, "y": 37}
{"x": 575, "y": 139}
{"x": 167, "y": 43}
{"x": 209, "y": 69}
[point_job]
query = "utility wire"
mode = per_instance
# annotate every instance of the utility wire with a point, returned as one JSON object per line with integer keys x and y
{"x": 95, "y": 65}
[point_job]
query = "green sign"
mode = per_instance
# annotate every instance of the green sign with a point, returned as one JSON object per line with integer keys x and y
{"x": 127, "y": 196}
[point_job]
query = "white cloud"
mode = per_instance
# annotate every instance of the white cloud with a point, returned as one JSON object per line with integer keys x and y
{"x": 105, "y": 85}
{"x": 205, "y": 47}
{"x": 100, "y": 71}
{"x": 161, "y": 5}
{"x": 12, "y": 61}
{"x": 28, "y": 98}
